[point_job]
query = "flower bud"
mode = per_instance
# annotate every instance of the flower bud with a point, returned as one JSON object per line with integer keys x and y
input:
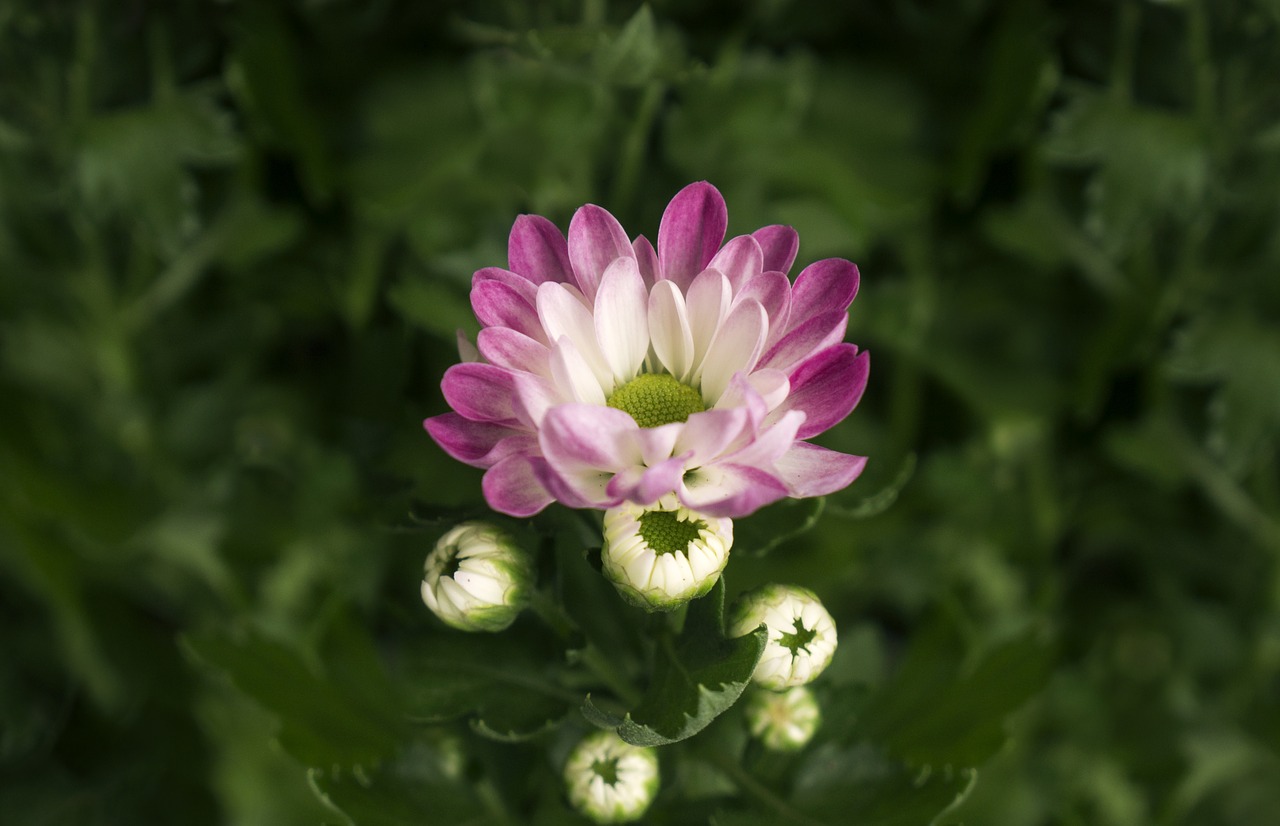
{"x": 783, "y": 720}
{"x": 802, "y": 635}
{"x": 476, "y": 578}
{"x": 662, "y": 556}
{"x": 610, "y": 780}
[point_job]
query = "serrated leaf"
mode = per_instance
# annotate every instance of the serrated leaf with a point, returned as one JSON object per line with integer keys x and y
{"x": 697, "y": 677}
{"x": 766, "y": 529}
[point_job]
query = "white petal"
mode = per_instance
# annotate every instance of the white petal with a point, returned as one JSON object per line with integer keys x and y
{"x": 621, "y": 319}
{"x": 736, "y": 347}
{"x": 564, "y": 315}
{"x": 669, "y": 329}
{"x": 573, "y": 375}
{"x": 708, "y": 302}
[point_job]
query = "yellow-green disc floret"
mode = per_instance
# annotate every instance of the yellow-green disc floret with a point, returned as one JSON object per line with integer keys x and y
{"x": 655, "y": 399}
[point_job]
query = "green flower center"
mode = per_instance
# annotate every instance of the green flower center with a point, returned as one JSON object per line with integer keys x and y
{"x": 666, "y": 533}
{"x": 797, "y": 640}
{"x": 607, "y": 769}
{"x": 655, "y": 399}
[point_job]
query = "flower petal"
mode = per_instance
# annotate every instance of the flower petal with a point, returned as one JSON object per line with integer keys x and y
{"x": 596, "y": 240}
{"x": 527, "y": 289}
{"x": 480, "y": 392}
{"x": 770, "y": 386}
{"x": 708, "y": 300}
{"x": 646, "y": 485}
{"x": 811, "y": 470}
{"x": 691, "y": 231}
{"x": 740, "y": 260}
{"x": 467, "y": 441}
{"x": 646, "y": 260}
{"x": 534, "y": 396}
{"x": 779, "y": 244}
{"x": 821, "y": 287}
{"x": 621, "y": 319}
{"x": 706, "y": 435}
{"x": 573, "y": 375}
{"x": 536, "y": 249}
{"x": 826, "y": 387}
{"x": 514, "y": 350}
{"x": 563, "y": 315}
{"x": 586, "y": 445}
{"x": 773, "y": 291}
{"x": 498, "y": 305}
{"x": 512, "y": 487}
{"x": 736, "y": 347}
{"x": 669, "y": 330}
{"x": 729, "y": 490}
{"x": 818, "y": 333}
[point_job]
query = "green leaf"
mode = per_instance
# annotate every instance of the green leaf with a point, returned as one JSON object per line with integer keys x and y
{"x": 632, "y": 58}
{"x": 935, "y": 711}
{"x": 321, "y": 723}
{"x": 696, "y": 678}
{"x": 413, "y": 789}
{"x": 766, "y": 529}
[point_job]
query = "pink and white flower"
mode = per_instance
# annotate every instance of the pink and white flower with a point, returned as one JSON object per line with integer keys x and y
{"x": 611, "y": 371}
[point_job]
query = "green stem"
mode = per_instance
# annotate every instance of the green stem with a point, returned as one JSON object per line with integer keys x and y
{"x": 754, "y": 789}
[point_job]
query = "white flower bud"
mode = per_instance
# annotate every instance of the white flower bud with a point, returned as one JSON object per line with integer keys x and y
{"x": 802, "y": 635}
{"x": 783, "y": 720}
{"x": 476, "y": 578}
{"x": 610, "y": 780}
{"x": 662, "y": 556}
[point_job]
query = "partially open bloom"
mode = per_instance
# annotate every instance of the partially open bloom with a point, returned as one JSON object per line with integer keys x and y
{"x": 610, "y": 780}
{"x": 615, "y": 372}
{"x": 783, "y": 720}
{"x": 802, "y": 635}
{"x": 476, "y": 578}
{"x": 661, "y": 557}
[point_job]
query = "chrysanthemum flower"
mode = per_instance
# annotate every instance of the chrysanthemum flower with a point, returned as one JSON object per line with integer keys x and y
{"x": 802, "y": 635}
{"x": 661, "y": 557}
{"x": 615, "y": 372}
{"x": 610, "y": 780}
{"x": 476, "y": 578}
{"x": 783, "y": 720}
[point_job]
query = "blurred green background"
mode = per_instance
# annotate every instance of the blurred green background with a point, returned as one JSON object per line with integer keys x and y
{"x": 236, "y": 240}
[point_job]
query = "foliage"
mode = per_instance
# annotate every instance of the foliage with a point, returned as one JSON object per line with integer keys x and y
{"x": 235, "y": 247}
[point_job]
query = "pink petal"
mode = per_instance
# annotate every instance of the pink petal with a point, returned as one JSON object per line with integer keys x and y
{"x": 534, "y": 396}
{"x": 498, "y": 305}
{"x": 513, "y": 350}
{"x": 512, "y": 487}
{"x": 537, "y": 250}
{"x": 563, "y": 315}
{"x": 707, "y": 301}
{"x": 691, "y": 232}
{"x": 573, "y": 375}
{"x": 773, "y": 291}
{"x": 646, "y": 485}
{"x": 818, "y": 333}
{"x": 585, "y": 446}
{"x": 760, "y": 392}
{"x": 622, "y": 319}
{"x": 771, "y": 443}
{"x": 811, "y": 470}
{"x": 826, "y": 387}
{"x": 669, "y": 330}
{"x": 706, "y": 435}
{"x": 779, "y": 244}
{"x": 646, "y": 260}
{"x": 740, "y": 260}
{"x": 467, "y": 441}
{"x": 527, "y": 289}
{"x": 821, "y": 287}
{"x": 596, "y": 240}
{"x": 480, "y": 392}
{"x": 730, "y": 490}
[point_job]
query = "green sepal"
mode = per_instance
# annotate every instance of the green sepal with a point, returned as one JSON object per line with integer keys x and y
{"x": 697, "y": 677}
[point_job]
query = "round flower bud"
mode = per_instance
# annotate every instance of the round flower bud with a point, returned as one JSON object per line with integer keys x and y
{"x": 802, "y": 635}
{"x": 783, "y": 720}
{"x": 476, "y": 578}
{"x": 610, "y": 780}
{"x": 662, "y": 556}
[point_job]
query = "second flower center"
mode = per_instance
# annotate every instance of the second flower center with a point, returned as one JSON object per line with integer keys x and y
{"x": 655, "y": 399}
{"x": 666, "y": 533}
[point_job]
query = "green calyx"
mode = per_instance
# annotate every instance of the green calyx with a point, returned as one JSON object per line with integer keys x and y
{"x": 797, "y": 640}
{"x": 666, "y": 533}
{"x": 654, "y": 399}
